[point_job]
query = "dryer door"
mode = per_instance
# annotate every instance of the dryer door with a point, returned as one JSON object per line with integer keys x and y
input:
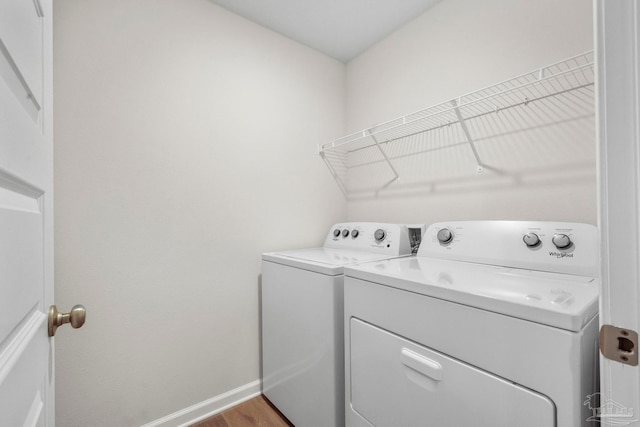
{"x": 396, "y": 382}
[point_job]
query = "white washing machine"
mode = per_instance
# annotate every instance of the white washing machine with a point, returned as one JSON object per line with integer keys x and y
{"x": 493, "y": 324}
{"x": 302, "y": 319}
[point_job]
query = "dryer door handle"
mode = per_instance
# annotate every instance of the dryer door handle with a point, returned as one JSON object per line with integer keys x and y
{"x": 421, "y": 364}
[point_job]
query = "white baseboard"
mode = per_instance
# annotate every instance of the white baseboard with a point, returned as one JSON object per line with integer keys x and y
{"x": 209, "y": 407}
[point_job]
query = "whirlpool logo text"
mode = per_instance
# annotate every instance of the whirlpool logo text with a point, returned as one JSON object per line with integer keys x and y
{"x": 560, "y": 254}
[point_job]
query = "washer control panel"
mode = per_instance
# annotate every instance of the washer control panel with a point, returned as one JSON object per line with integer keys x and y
{"x": 385, "y": 238}
{"x": 560, "y": 247}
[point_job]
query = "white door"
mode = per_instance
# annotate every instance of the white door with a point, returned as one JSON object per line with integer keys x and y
{"x": 618, "y": 57}
{"x": 26, "y": 247}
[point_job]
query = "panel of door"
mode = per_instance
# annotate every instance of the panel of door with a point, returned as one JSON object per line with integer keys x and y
{"x": 26, "y": 238}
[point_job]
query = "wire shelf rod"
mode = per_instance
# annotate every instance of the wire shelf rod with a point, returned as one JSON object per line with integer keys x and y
{"x": 469, "y": 118}
{"x": 516, "y": 109}
{"x": 529, "y": 81}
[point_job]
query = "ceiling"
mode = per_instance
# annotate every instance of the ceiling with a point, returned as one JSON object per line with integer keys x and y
{"x": 341, "y": 29}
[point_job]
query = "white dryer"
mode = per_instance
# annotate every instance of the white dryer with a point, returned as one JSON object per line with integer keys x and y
{"x": 302, "y": 318}
{"x": 493, "y": 324}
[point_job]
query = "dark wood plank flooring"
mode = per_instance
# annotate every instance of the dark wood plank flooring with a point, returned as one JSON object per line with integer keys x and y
{"x": 254, "y": 412}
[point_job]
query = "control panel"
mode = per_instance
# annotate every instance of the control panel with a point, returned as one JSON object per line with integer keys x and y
{"x": 560, "y": 247}
{"x": 385, "y": 238}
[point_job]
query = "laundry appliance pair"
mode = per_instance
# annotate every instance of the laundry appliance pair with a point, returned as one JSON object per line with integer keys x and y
{"x": 492, "y": 323}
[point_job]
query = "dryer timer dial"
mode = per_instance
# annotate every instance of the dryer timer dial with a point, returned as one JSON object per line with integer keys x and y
{"x": 445, "y": 236}
{"x": 562, "y": 241}
{"x": 531, "y": 240}
{"x": 380, "y": 234}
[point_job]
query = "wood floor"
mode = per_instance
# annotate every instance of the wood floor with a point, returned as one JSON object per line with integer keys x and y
{"x": 254, "y": 412}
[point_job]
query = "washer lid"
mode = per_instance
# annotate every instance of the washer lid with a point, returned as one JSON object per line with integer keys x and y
{"x": 554, "y": 299}
{"x": 323, "y": 260}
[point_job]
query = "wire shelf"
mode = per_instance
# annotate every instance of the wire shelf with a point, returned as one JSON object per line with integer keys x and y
{"x": 558, "y": 93}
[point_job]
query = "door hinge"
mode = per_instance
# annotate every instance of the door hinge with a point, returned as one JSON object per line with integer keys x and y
{"x": 619, "y": 344}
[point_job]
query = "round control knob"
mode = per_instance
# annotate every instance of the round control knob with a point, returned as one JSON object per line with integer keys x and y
{"x": 379, "y": 235}
{"x": 445, "y": 236}
{"x": 336, "y": 232}
{"x": 531, "y": 240}
{"x": 345, "y": 232}
{"x": 355, "y": 233}
{"x": 562, "y": 241}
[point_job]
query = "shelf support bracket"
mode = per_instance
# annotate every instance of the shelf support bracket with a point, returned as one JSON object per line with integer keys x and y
{"x": 335, "y": 175}
{"x": 463, "y": 125}
{"x": 386, "y": 158}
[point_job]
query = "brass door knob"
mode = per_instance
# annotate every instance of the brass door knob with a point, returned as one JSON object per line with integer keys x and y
{"x": 75, "y": 317}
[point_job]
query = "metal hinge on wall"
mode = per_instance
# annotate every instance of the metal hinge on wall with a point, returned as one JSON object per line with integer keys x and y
{"x": 619, "y": 344}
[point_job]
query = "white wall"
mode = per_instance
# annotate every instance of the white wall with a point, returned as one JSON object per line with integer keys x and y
{"x": 185, "y": 146}
{"x": 457, "y": 47}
